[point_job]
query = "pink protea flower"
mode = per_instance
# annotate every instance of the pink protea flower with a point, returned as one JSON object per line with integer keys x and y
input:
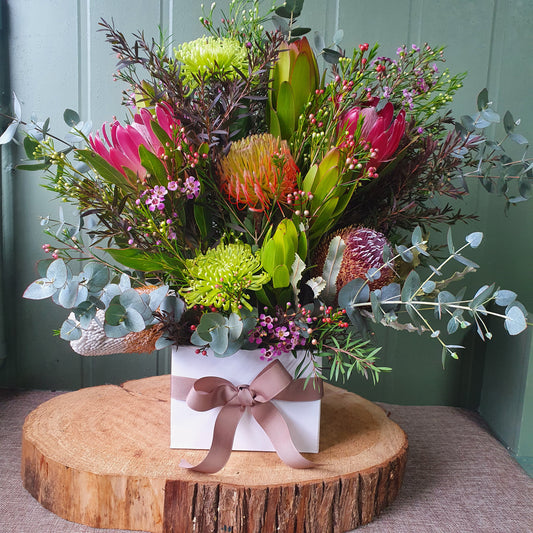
{"x": 259, "y": 170}
{"x": 379, "y": 128}
{"x": 121, "y": 148}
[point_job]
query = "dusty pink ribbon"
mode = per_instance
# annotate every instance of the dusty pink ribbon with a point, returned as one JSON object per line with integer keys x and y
{"x": 273, "y": 382}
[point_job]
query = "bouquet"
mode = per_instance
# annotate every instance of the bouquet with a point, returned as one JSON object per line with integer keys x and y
{"x": 253, "y": 200}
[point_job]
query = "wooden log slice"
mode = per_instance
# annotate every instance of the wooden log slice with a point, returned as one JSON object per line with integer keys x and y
{"x": 100, "y": 456}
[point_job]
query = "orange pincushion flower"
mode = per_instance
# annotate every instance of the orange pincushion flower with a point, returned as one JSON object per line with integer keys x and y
{"x": 258, "y": 171}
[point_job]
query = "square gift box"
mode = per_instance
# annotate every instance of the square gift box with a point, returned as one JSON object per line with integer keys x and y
{"x": 192, "y": 429}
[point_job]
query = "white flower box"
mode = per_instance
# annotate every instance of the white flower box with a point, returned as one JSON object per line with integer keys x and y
{"x": 194, "y": 430}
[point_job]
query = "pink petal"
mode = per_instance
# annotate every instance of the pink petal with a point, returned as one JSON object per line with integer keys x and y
{"x": 164, "y": 118}
{"x": 128, "y": 141}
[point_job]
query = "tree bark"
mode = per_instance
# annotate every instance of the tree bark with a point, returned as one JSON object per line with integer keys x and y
{"x": 100, "y": 456}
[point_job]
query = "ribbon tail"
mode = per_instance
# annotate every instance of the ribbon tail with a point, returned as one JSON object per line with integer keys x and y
{"x": 274, "y": 425}
{"x": 222, "y": 443}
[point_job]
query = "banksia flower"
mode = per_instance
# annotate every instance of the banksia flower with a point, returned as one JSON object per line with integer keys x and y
{"x": 364, "y": 250}
{"x": 258, "y": 171}
{"x": 223, "y": 276}
{"x": 211, "y": 56}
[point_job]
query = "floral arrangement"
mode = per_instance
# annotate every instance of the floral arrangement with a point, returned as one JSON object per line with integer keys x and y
{"x": 253, "y": 201}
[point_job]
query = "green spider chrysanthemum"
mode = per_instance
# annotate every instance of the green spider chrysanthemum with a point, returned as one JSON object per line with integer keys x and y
{"x": 211, "y": 56}
{"x": 223, "y": 276}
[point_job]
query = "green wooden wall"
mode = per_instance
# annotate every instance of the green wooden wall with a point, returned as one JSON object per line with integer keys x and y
{"x": 57, "y": 59}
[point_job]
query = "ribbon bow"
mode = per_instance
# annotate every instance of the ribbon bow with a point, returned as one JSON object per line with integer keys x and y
{"x": 272, "y": 382}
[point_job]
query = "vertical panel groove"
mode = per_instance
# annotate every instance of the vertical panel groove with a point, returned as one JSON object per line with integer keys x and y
{"x": 88, "y": 59}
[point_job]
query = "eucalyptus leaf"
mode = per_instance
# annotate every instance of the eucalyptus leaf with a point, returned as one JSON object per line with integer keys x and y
{"x": 70, "y": 117}
{"x": 453, "y": 325}
{"x": 376, "y": 309}
{"x": 508, "y": 122}
{"x": 220, "y": 340}
{"x": 115, "y": 314}
{"x": 490, "y": 116}
{"x": 465, "y": 261}
{"x": 96, "y": 275}
{"x": 234, "y": 325}
{"x": 515, "y": 321}
{"x": 449, "y": 240}
{"x": 428, "y": 286}
{"x": 373, "y": 274}
{"x": 70, "y": 331}
{"x": 356, "y": 291}
{"x": 405, "y": 253}
{"x": 331, "y": 56}
{"x": 517, "y": 138}
{"x": 157, "y": 296}
{"x": 173, "y": 306}
{"x": 474, "y": 239}
{"x": 410, "y": 286}
{"x": 68, "y": 295}
{"x": 318, "y": 41}
{"x": 338, "y": 36}
{"x": 40, "y": 289}
{"x": 125, "y": 282}
{"x": 162, "y": 343}
{"x": 10, "y": 131}
{"x": 468, "y": 123}
{"x": 482, "y": 99}
{"x": 390, "y": 293}
{"x": 115, "y": 332}
{"x": 85, "y": 313}
{"x": 482, "y": 295}
{"x": 504, "y": 297}
{"x": 416, "y": 236}
{"x": 133, "y": 320}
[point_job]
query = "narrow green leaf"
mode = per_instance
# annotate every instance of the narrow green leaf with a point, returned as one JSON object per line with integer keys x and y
{"x": 153, "y": 165}
{"x": 102, "y": 167}
{"x": 449, "y": 240}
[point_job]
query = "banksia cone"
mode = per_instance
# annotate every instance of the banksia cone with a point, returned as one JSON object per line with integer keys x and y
{"x": 364, "y": 250}
{"x": 95, "y": 342}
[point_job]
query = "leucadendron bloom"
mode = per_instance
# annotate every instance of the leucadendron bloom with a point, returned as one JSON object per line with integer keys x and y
{"x": 223, "y": 277}
{"x": 295, "y": 78}
{"x": 258, "y": 171}
{"x": 211, "y": 57}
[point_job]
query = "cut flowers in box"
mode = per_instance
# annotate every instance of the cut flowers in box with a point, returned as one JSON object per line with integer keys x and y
{"x": 254, "y": 201}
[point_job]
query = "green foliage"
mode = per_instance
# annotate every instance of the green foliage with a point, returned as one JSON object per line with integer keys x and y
{"x": 156, "y": 207}
{"x": 422, "y": 293}
{"x": 224, "y": 335}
